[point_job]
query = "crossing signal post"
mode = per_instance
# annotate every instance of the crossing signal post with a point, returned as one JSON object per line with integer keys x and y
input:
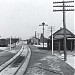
{"x": 64, "y": 24}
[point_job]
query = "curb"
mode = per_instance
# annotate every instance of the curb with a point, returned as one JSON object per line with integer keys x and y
{"x": 9, "y": 61}
{"x": 23, "y": 68}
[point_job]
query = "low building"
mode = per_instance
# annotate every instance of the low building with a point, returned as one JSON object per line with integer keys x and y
{"x": 33, "y": 40}
{"x": 43, "y": 38}
{"x": 4, "y": 42}
{"x": 37, "y": 41}
{"x": 58, "y": 40}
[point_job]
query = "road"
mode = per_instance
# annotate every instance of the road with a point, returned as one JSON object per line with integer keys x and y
{"x": 43, "y": 63}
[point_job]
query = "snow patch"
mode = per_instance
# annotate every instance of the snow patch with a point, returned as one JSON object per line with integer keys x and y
{"x": 37, "y": 64}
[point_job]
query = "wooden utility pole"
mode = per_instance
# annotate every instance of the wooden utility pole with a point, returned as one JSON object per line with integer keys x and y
{"x": 35, "y": 34}
{"x": 51, "y": 29}
{"x": 43, "y": 24}
{"x": 10, "y": 43}
{"x": 64, "y": 24}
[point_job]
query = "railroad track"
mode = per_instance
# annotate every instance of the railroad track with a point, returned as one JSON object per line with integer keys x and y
{"x": 14, "y": 67}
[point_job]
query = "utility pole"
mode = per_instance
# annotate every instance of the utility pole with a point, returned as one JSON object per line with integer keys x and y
{"x": 38, "y": 38}
{"x": 43, "y": 24}
{"x": 35, "y": 34}
{"x": 51, "y": 30}
{"x": 64, "y": 24}
{"x": 10, "y": 43}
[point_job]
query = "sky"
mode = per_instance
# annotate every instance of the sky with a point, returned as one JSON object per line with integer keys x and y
{"x": 21, "y": 18}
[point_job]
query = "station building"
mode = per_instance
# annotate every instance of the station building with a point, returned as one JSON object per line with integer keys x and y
{"x": 58, "y": 40}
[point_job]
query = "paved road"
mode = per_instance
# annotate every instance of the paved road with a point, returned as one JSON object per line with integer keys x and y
{"x": 43, "y": 63}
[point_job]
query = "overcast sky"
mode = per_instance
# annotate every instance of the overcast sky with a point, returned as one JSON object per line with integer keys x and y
{"x": 21, "y": 18}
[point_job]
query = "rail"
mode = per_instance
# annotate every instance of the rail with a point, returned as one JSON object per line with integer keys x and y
{"x": 13, "y": 67}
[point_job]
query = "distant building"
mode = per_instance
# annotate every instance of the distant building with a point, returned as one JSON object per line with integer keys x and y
{"x": 58, "y": 39}
{"x": 41, "y": 39}
{"x": 37, "y": 41}
{"x": 33, "y": 40}
{"x": 4, "y": 42}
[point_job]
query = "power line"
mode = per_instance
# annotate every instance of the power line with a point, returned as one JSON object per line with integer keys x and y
{"x": 63, "y": 2}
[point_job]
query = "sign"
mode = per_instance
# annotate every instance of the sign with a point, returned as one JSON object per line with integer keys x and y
{"x": 71, "y": 38}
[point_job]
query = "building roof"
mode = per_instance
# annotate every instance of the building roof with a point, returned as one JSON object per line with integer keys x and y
{"x": 60, "y": 34}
